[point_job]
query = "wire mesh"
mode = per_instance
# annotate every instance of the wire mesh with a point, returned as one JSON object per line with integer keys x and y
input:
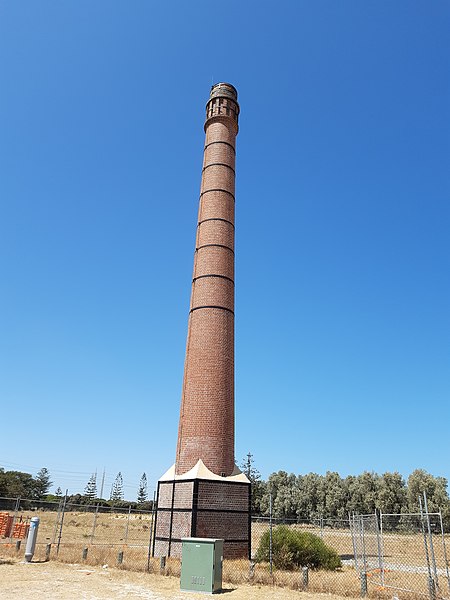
{"x": 389, "y": 550}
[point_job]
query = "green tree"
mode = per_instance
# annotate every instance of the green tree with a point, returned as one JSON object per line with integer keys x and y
{"x": 15, "y": 484}
{"x": 435, "y": 488}
{"x": 363, "y": 493}
{"x": 334, "y": 496}
{"x": 283, "y": 487}
{"x": 90, "y": 491}
{"x": 117, "y": 488}
{"x": 142, "y": 495}
{"x": 309, "y": 496}
{"x": 42, "y": 483}
{"x": 3, "y": 486}
{"x": 392, "y": 493}
{"x": 258, "y": 486}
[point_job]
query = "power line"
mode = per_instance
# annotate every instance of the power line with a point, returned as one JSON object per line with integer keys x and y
{"x": 34, "y": 468}
{"x": 76, "y": 478}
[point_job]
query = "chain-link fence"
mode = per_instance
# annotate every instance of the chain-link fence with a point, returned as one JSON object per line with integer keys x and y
{"x": 381, "y": 555}
{"x": 69, "y": 532}
{"x": 405, "y": 553}
{"x": 335, "y": 533}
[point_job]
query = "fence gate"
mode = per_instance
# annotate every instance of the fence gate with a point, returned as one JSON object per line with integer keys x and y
{"x": 403, "y": 552}
{"x": 368, "y": 547}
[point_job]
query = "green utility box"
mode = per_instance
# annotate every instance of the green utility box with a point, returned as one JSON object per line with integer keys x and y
{"x": 201, "y": 565}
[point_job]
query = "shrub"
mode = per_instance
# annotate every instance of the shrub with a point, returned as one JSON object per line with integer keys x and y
{"x": 292, "y": 549}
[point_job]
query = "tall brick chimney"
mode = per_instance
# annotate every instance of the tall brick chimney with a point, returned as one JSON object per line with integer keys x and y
{"x": 204, "y": 494}
{"x": 206, "y": 428}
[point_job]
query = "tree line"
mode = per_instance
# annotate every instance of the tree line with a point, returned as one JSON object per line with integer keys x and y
{"x": 116, "y": 496}
{"x": 330, "y": 496}
{"x": 17, "y": 484}
{"x": 299, "y": 497}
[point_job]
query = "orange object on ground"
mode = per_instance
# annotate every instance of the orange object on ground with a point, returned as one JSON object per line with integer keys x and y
{"x": 5, "y": 524}
{"x": 20, "y": 530}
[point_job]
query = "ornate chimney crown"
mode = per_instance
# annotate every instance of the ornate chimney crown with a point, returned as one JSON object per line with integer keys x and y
{"x": 222, "y": 103}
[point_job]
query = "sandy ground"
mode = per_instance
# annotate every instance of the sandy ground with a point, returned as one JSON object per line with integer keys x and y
{"x": 58, "y": 581}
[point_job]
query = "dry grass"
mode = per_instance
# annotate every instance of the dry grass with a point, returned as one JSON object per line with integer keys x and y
{"x": 115, "y": 528}
{"x": 344, "y": 582}
{"x": 66, "y": 582}
{"x": 129, "y": 534}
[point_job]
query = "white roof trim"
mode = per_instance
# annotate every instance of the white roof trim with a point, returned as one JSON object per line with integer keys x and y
{"x": 200, "y": 471}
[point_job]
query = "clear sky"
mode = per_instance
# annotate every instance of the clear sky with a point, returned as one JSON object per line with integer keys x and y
{"x": 342, "y": 231}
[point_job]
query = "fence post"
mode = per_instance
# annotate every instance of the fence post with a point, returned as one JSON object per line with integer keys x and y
{"x": 84, "y": 554}
{"x": 94, "y": 523}
{"x": 363, "y": 539}
{"x": 444, "y": 549}
{"x": 351, "y": 522}
{"x": 16, "y": 510}
{"x": 305, "y": 577}
{"x": 431, "y": 588}
{"x": 55, "y": 528}
{"x": 363, "y": 576}
{"x": 127, "y": 525}
{"x": 162, "y": 564}
{"x": 381, "y": 548}
{"x": 48, "y": 549}
{"x": 270, "y": 534}
{"x": 251, "y": 569}
{"x": 433, "y": 558}
{"x": 427, "y": 556}
{"x": 151, "y": 538}
{"x": 18, "y": 543}
{"x": 63, "y": 512}
{"x": 120, "y": 558}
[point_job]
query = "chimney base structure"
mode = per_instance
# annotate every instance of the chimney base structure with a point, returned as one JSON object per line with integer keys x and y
{"x": 201, "y": 504}
{"x": 204, "y": 494}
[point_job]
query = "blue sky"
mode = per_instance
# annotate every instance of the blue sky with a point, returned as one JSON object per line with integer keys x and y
{"x": 342, "y": 220}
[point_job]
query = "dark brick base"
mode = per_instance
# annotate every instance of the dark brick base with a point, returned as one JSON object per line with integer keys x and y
{"x": 203, "y": 508}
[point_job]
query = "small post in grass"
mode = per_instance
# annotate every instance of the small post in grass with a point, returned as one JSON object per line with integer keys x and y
{"x": 162, "y": 564}
{"x": 305, "y": 577}
{"x": 431, "y": 588}
{"x": 363, "y": 576}
{"x": 252, "y": 569}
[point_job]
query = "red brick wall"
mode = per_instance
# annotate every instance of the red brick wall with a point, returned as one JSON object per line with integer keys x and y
{"x": 216, "y": 510}
{"x": 171, "y": 522}
{"x": 184, "y": 491}
{"x": 165, "y": 495}
{"x": 181, "y": 524}
{"x": 216, "y": 495}
{"x": 163, "y": 521}
{"x": 222, "y": 525}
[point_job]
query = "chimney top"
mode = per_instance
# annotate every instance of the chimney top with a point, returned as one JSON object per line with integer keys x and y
{"x": 223, "y": 90}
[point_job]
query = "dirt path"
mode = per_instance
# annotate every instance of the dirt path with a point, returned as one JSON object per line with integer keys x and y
{"x": 58, "y": 581}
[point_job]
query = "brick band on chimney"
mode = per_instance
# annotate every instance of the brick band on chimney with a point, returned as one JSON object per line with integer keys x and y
{"x": 206, "y": 427}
